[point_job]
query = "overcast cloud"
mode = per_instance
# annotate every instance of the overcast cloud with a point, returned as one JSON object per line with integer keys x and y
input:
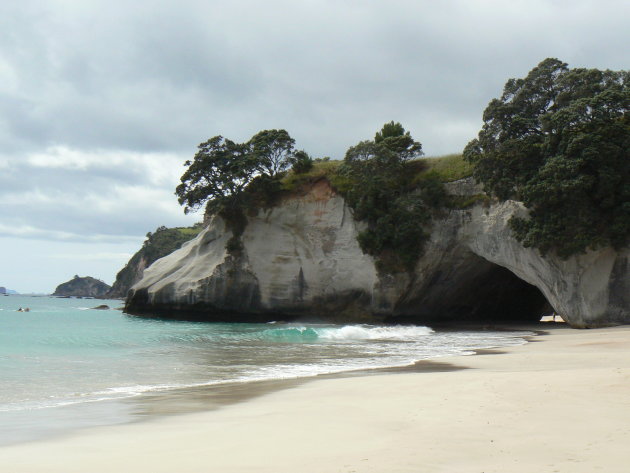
{"x": 102, "y": 101}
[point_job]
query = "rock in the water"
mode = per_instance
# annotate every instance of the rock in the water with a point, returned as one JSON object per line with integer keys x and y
{"x": 101, "y": 307}
{"x": 82, "y": 287}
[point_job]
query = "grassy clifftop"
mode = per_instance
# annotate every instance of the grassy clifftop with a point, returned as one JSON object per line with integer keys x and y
{"x": 446, "y": 168}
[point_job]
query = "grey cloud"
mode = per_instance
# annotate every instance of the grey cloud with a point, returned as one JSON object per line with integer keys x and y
{"x": 163, "y": 76}
{"x": 103, "y": 199}
{"x": 147, "y": 78}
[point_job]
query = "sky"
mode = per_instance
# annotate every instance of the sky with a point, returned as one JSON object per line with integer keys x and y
{"x": 101, "y": 102}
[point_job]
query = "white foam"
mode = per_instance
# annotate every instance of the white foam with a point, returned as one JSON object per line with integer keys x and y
{"x": 364, "y": 332}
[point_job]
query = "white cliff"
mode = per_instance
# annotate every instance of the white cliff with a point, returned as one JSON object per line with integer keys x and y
{"x": 590, "y": 289}
{"x": 297, "y": 256}
{"x": 301, "y": 258}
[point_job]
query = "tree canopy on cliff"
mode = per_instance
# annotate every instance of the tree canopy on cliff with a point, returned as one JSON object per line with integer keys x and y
{"x": 273, "y": 150}
{"x": 381, "y": 192}
{"x": 222, "y": 169}
{"x": 219, "y": 172}
{"x": 559, "y": 141}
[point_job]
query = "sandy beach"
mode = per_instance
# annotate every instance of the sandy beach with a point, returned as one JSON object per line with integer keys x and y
{"x": 558, "y": 404}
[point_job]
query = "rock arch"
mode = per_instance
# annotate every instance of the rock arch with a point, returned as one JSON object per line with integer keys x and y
{"x": 467, "y": 289}
{"x": 589, "y": 290}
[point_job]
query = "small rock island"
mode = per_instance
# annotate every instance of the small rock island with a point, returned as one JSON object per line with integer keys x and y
{"x": 82, "y": 287}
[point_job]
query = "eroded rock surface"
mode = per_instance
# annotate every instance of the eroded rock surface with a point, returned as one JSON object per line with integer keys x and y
{"x": 301, "y": 259}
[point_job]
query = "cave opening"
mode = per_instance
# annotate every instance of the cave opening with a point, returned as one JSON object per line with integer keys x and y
{"x": 474, "y": 291}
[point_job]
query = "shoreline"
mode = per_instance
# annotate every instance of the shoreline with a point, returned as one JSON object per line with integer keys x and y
{"x": 71, "y": 418}
{"x": 559, "y": 403}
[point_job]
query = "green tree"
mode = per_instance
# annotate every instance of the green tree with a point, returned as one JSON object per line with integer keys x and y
{"x": 394, "y": 137}
{"x": 223, "y": 170}
{"x": 380, "y": 193}
{"x": 301, "y": 162}
{"x": 378, "y": 167}
{"x": 273, "y": 150}
{"x": 218, "y": 174}
{"x": 559, "y": 141}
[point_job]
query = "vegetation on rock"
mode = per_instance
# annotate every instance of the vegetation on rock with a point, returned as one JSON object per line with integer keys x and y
{"x": 559, "y": 141}
{"x": 447, "y": 168}
{"x": 218, "y": 174}
{"x": 382, "y": 192}
{"x": 82, "y": 287}
{"x": 222, "y": 170}
{"x": 166, "y": 240}
{"x": 451, "y": 167}
{"x": 272, "y": 151}
{"x": 161, "y": 242}
{"x": 383, "y": 180}
{"x": 320, "y": 169}
{"x": 231, "y": 178}
{"x": 301, "y": 162}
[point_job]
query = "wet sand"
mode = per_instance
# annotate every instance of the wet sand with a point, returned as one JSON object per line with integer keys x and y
{"x": 558, "y": 404}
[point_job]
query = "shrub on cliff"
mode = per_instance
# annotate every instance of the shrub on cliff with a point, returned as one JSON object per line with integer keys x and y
{"x": 559, "y": 141}
{"x": 166, "y": 240}
{"x": 380, "y": 189}
{"x": 301, "y": 162}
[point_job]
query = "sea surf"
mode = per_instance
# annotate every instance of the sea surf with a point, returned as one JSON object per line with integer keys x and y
{"x": 63, "y": 358}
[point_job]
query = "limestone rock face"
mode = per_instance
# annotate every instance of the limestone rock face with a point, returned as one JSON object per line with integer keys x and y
{"x": 592, "y": 289}
{"x": 157, "y": 245}
{"x": 301, "y": 259}
{"x": 82, "y": 287}
{"x": 129, "y": 275}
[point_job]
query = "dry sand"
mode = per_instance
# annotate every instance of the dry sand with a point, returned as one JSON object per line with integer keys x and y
{"x": 558, "y": 404}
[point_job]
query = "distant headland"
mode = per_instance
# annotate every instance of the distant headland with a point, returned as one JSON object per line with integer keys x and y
{"x": 82, "y": 287}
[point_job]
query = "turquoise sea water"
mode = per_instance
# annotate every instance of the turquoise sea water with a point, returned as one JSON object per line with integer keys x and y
{"x": 63, "y": 353}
